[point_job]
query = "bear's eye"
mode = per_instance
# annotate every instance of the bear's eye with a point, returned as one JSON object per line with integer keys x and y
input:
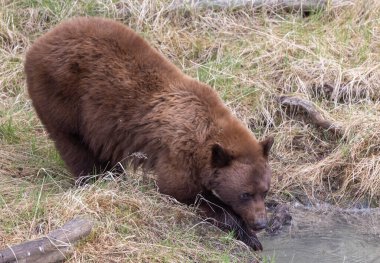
{"x": 245, "y": 196}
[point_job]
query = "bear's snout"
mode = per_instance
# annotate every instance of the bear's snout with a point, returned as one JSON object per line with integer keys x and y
{"x": 256, "y": 221}
{"x": 259, "y": 224}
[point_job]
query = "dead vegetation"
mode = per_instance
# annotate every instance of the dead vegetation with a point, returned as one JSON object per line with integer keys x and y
{"x": 330, "y": 58}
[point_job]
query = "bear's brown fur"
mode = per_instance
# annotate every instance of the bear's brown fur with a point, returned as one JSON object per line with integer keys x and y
{"x": 103, "y": 94}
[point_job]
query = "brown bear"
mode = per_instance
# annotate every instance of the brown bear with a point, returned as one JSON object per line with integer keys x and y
{"x": 103, "y": 94}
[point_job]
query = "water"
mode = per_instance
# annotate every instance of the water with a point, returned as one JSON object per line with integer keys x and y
{"x": 326, "y": 235}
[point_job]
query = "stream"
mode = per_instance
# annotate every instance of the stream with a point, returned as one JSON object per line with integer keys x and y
{"x": 325, "y": 234}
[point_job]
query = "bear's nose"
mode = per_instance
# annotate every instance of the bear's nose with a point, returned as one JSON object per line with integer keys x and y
{"x": 260, "y": 224}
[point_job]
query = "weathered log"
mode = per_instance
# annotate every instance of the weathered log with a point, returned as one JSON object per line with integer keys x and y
{"x": 291, "y": 5}
{"x": 314, "y": 114}
{"x": 54, "y": 247}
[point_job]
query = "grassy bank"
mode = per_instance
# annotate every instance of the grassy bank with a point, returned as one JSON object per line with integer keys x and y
{"x": 331, "y": 58}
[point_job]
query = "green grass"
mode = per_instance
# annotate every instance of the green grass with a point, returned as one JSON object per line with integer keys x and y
{"x": 269, "y": 259}
{"x": 8, "y": 132}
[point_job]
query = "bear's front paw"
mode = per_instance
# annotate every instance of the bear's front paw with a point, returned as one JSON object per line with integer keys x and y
{"x": 250, "y": 240}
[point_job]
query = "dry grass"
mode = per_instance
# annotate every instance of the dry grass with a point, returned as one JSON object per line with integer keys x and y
{"x": 134, "y": 223}
{"x": 250, "y": 57}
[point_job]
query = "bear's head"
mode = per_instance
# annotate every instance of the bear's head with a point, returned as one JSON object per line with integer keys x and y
{"x": 241, "y": 180}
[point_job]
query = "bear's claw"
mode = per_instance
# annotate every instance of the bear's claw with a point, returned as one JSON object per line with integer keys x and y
{"x": 250, "y": 240}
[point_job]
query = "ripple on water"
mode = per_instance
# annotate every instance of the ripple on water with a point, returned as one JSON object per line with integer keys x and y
{"x": 326, "y": 235}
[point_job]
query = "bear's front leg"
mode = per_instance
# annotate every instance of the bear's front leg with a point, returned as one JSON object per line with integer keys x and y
{"x": 226, "y": 219}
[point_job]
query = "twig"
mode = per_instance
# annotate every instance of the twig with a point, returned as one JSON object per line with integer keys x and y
{"x": 315, "y": 115}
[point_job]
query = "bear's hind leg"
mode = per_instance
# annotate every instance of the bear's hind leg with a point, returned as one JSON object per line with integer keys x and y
{"x": 77, "y": 156}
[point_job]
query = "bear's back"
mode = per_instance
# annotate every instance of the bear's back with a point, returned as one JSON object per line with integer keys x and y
{"x": 92, "y": 63}
{"x": 97, "y": 50}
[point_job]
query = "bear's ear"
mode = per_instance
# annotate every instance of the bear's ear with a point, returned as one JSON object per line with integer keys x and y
{"x": 219, "y": 156}
{"x": 267, "y": 145}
